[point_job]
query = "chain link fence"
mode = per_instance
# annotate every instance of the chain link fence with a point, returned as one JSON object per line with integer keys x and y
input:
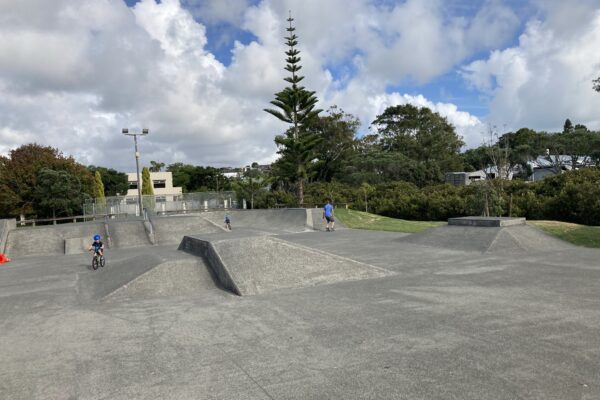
{"x": 128, "y": 206}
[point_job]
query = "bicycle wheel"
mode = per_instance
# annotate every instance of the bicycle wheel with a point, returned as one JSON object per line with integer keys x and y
{"x": 95, "y": 263}
{"x": 102, "y": 261}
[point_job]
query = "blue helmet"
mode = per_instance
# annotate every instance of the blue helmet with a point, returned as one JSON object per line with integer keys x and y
{"x": 96, "y": 237}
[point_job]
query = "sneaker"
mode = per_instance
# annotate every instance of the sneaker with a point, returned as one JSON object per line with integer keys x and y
{"x": 326, "y": 229}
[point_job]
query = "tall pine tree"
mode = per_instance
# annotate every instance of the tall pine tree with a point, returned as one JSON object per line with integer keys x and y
{"x": 296, "y": 106}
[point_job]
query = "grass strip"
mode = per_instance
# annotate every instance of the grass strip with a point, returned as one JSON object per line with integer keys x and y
{"x": 362, "y": 220}
{"x": 580, "y": 235}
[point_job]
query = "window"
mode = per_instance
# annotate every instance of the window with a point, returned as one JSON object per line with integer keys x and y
{"x": 161, "y": 199}
{"x": 159, "y": 184}
{"x": 132, "y": 184}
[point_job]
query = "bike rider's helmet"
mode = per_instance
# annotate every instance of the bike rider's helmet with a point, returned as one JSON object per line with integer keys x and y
{"x": 96, "y": 237}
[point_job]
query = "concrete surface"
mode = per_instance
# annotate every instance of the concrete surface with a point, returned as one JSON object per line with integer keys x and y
{"x": 126, "y": 234}
{"x": 171, "y": 230}
{"x": 446, "y": 323}
{"x": 49, "y": 239}
{"x": 5, "y": 226}
{"x": 486, "y": 221}
{"x": 255, "y": 265}
{"x": 77, "y": 245}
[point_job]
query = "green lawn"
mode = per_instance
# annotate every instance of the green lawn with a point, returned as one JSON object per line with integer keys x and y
{"x": 362, "y": 220}
{"x": 581, "y": 235}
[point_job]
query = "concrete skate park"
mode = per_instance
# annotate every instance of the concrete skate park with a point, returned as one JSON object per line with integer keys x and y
{"x": 278, "y": 308}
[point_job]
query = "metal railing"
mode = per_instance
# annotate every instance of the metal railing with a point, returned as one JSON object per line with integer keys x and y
{"x": 128, "y": 206}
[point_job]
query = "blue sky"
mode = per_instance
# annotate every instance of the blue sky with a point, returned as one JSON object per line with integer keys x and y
{"x": 198, "y": 73}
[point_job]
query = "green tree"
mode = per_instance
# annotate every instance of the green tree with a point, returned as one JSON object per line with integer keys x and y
{"x": 251, "y": 184}
{"x": 198, "y": 178}
{"x": 156, "y": 166}
{"x": 115, "y": 183}
{"x": 568, "y": 126}
{"x": 148, "y": 201}
{"x": 19, "y": 175}
{"x": 296, "y": 106}
{"x": 99, "y": 191}
{"x": 147, "y": 187}
{"x": 422, "y": 136}
{"x": 57, "y": 193}
{"x": 337, "y": 130}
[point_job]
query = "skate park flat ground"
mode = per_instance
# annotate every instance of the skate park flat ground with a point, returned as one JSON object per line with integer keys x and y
{"x": 448, "y": 320}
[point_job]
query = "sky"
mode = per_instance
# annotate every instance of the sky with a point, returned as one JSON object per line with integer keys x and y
{"x": 198, "y": 73}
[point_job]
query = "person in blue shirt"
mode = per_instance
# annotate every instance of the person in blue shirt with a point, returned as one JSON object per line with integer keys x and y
{"x": 97, "y": 245}
{"x": 328, "y": 215}
{"x": 227, "y": 221}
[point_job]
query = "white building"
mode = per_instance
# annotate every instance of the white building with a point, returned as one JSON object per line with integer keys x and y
{"x": 162, "y": 183}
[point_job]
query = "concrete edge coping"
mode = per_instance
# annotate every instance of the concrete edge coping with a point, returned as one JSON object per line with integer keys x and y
{"x": 214, "y": 261}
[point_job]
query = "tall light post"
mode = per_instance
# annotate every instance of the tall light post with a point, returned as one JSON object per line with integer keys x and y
{"x": 137, "y": 164}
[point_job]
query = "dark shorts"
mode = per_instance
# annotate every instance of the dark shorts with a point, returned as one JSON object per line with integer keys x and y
{"x": 330, "y": 219}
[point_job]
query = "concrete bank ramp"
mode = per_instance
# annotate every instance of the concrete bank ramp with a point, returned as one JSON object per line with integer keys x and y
{"x": 171, "y": 230}
{"x": 287, "y": 220}
{"x": 158, "y": 273}
{"x": 255, "y": 265}
{"x": 509, "y": 240}
{"x": 35, "y": 241}
{"x": 186, "y": 277}
{"x": 128, "y": 233}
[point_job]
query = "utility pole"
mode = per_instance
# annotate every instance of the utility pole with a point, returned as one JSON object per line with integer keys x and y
{"x": 145, "y": 131}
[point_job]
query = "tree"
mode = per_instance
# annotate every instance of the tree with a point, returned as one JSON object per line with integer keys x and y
{"x": 568, "y": 126}
{"x": 198, "y": 178}
{"x": 99, "y": 191}
{"x": 596, "y": 84}
{"x": 367, "y": 191}
{"x": 296, "y": 107}
{"x": 147, "y": 187}
{"x": 338, "y": 145}
{"x": 251, "y": 183}
{"x": 147, "y": 190}
{"x": 19, "y": 175}
{"x": 421, "y": 135}
{"x": 156, "y": 166}
{"x": 57, "y": 193}
{"x": 115, "y": 183}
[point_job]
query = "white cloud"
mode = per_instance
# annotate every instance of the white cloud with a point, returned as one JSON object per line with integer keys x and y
{"x": 73, "y": 73}
{"x": 546, "y": 78}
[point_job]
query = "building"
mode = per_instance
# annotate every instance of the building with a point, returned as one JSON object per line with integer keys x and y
{"x": 162, "y": 183}
{"x": 464, "y": 178}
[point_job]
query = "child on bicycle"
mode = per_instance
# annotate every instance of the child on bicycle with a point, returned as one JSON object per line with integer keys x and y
{"x": 97, "y": 245}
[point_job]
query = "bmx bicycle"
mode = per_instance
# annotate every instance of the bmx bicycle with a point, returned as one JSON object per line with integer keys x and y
{"x": 98, "y": 260}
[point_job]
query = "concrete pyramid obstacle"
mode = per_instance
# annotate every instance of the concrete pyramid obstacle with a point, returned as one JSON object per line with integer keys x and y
{"x": 487, "y": 237}
{"x": 255, "y": 265}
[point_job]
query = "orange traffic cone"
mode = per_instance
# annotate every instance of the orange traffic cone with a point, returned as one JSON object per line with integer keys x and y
{"x": 3, "y": 258}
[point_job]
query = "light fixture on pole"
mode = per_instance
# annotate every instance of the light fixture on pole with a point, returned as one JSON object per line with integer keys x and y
{"x": 145, "y": 131}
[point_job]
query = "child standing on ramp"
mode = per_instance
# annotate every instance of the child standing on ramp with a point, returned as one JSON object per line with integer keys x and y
{"x": 328, "y": 215}
{"x": 227, "y": 222}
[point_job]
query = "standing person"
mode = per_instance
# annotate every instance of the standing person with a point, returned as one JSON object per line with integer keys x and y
{"x": 227, "y": 222}
{"x": 328, "y": 215}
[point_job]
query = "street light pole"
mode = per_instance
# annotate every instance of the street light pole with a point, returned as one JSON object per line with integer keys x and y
{"x": 137, "y": 164}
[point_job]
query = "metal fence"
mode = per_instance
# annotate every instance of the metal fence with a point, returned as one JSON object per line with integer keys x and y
{"x": 128, "y": 206}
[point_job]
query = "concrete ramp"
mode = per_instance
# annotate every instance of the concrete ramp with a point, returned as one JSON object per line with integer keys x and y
{"x": 509, "y": 239}
{"x": 287, "y": 220}
{"x": 255, "y": 265}
{"x": 171, "y": 230}
{"x": 35, "y": 241}
{"x": 94, "y": 285}
{"x": 128, "y": 234}
{"x": 184, "y": 277}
